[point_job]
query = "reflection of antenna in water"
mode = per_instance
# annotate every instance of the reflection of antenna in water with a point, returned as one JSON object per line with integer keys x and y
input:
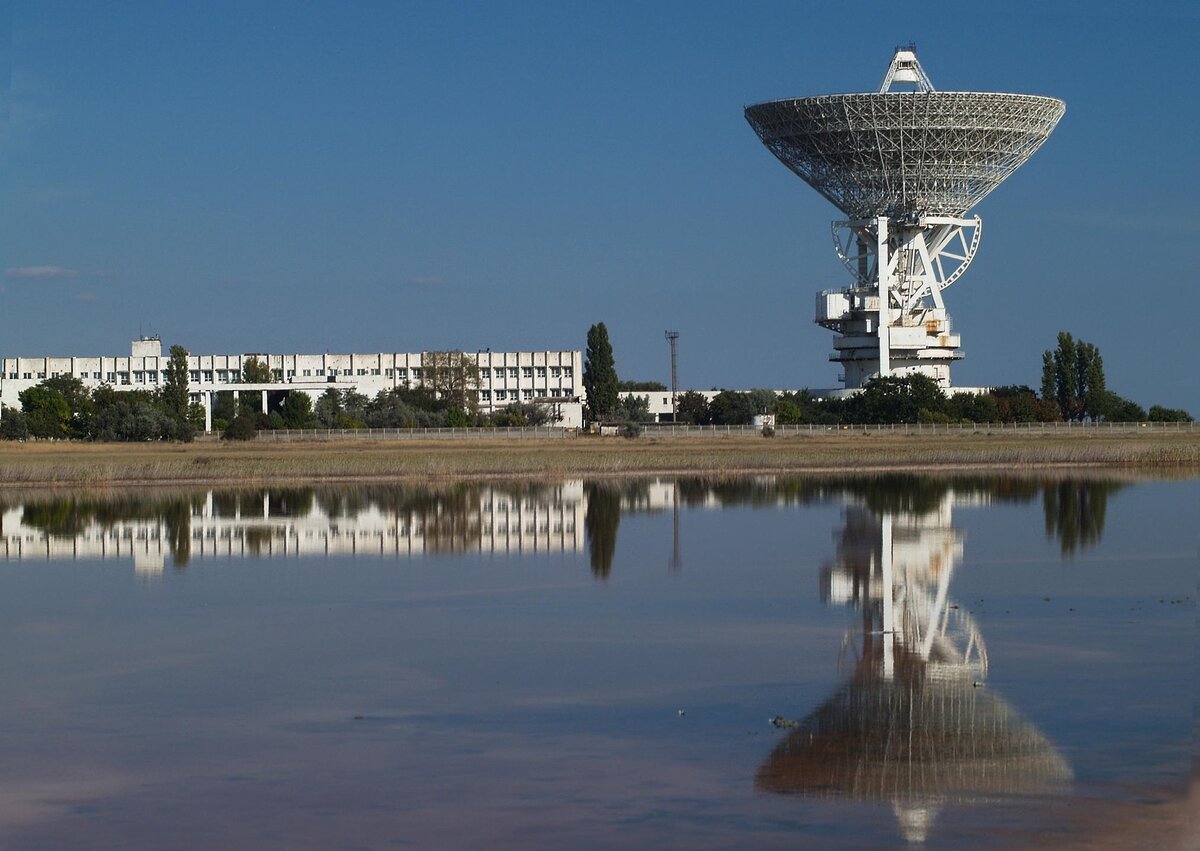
{"x": 913, "y": 725}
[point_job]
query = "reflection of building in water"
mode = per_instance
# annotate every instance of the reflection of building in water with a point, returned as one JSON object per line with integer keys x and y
{"x": 914, "y": 725}
{"x": 488, "y": 519}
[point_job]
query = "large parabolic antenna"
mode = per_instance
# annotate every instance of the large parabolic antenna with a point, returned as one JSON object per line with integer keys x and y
{"x": 905, "y": 165}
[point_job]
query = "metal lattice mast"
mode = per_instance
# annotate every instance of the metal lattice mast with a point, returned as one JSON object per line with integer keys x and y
{"x": 672, "y": 336}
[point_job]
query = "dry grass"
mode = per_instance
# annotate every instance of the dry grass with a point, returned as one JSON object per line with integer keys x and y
{"x": 208, "y": 463}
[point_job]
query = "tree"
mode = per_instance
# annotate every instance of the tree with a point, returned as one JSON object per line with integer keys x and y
{"x": 691, "y": 407}
{"x": 1049, "y": 381}
{"x": 1159, "y": 414}
{"x": 633, "y": 408}
{"x": 174, "y": 393}
{"x": 255, "y": 371}
{"x": 1017, "y": 403}
{"x": 600, "y": 374}
{"x": 897, "y": 400}
{"x": 452, "y": 377}
{"x": 79, "y": 400}
{"x": 297, "y": 410}
{"x": 13, "y": 425}
{"x": 243, "y": 427}
{"x": 641, "y": 385}
{"x": 730, "y": 408}
{"x": 763, "y": 401}
{"x": 1117, "y": 409}
{"x": 973, "y": 407}
{"x": 1073, "y": 375}
{"x": 47, "y": 411}
{"x": 328, "y": 410}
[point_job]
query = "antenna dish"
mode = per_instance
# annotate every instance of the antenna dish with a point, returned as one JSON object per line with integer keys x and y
{"x": 905, "y": 153}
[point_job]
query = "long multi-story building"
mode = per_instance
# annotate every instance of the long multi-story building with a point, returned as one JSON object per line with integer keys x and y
{"x": 546, "y": 377}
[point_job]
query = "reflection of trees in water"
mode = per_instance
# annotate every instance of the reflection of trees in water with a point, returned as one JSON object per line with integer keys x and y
{"x": 1075, "y": 512}
{"x": 602, "y": 517}
{"x": 449, "y": 516}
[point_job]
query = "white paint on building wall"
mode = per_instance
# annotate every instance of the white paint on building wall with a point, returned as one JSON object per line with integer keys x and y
{"x": 545, "y": 377}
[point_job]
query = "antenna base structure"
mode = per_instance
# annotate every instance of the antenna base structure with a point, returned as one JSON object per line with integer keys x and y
{"x": 905, "y": 167}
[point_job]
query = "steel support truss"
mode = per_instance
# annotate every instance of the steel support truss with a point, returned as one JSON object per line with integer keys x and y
{"x": 920, "y": 258}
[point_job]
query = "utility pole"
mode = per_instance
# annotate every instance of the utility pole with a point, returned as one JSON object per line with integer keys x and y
{"x": 672, "y": 336}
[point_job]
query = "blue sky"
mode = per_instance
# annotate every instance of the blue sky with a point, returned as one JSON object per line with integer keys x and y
{"x": 407, "y": 176}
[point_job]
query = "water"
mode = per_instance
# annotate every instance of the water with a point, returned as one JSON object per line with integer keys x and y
{"x": 594, "y": 664}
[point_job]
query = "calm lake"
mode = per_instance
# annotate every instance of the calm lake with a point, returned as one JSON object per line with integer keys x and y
{"x": 768, "y": 662}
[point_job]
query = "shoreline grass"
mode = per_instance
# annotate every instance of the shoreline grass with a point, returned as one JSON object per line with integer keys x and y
{"x": 107, "y": 464}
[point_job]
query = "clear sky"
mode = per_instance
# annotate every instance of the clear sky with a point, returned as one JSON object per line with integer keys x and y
{"x": 257, "y": 176}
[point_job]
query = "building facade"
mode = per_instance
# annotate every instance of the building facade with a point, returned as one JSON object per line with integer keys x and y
{"x": 553, "y": 378}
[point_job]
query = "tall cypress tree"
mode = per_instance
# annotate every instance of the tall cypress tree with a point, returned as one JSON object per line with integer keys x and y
{"x": 175, "y": 384}
{"x": 600, "y": 374}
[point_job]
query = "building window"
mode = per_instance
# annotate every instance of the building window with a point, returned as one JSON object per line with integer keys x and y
{"x": 112, "y": 377}
{"x": 308, "y": 373}
{"x": 528, "y": 394}
{"x": 402, "y": 373}
{"x": 541, "y": 373}
{"x": 347, "y": 372}
{"x": 28, "y": 376}
{"x": 417, "y": 373}
{"x": 374, "y": 372}
{"x": 41, "y": 375}
{"x": 321, "y": 372}
{"x": 208, "y": 375}
{"x": 527, "y": 372}
{"x": 512, "y": 372}
{"x": 222, "y": 375}
{"x": 277, "y": 374}
{"x": 13, "y": 376}
{"x": 235, "y": 375}
{"x": 362, "y": 372}
{"x": 291, "y": 373}
{"x": 501, "y": 395}
{"x": 485, "y": 372}
{"x": 566, "y": 372}
{"x": 153, "y": 376}
{"x": 139, "y": 376}
{"x": 95, "y": 375}
{"x": 555, "y": 372}
{"x": 389, "y": 373}
{"x": 485, "y": 395}
{"x": 124, "y": 377}
{"x": 195, "y": 375}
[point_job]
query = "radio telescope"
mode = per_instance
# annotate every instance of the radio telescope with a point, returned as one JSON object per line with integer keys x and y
{"x": 905, "y": 165}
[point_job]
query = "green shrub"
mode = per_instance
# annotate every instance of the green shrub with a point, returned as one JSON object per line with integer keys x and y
{"x": 243, "y": 427}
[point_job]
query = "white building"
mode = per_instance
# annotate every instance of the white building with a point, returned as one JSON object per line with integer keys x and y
{"x": 552, "y": 378}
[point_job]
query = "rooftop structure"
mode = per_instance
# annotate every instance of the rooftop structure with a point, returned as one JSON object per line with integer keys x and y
{"x": 905, "y": 165}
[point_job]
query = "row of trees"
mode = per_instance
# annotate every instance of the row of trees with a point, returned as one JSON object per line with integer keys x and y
{"x": 1073, "y": 388}
{"x": 911, "y": 399}
{"x": 401, "y": 407}
{"x": 61, "y": 407}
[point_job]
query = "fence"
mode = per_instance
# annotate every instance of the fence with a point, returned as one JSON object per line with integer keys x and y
{"x": 523, "y": 433}
{"x": 680, "y": 430}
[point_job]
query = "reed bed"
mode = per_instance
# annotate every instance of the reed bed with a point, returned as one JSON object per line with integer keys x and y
{"x": 74, "y": 464}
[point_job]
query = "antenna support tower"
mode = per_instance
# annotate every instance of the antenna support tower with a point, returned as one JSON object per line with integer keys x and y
{"x": 904, "y": 165}
{"x": 672, "y": 336}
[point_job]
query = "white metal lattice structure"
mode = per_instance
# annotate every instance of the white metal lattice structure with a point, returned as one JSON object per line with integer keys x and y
{"x": 905, "y": 167}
